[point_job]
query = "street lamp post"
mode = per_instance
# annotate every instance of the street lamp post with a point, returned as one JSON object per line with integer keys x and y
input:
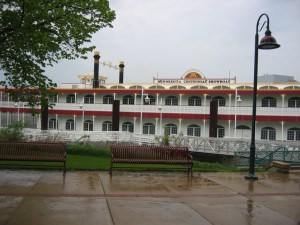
{"x": 17, "y": 104}
{"x": 81, "y": 107}
{"x": 141, "y": 119}
{"x": 237, "y": 100}
{"x": 266, "y": 43}
{"x": 160, "y": 118}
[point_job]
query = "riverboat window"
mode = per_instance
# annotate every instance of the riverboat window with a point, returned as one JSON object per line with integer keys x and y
{"x": 292, "y": 87}
{"x": 5, "y": 97}
{"x": 293, "y": 134}
{"x": 194, "y": 130}
{"x": 53, "y": 99}
{"x": 177, "y": 87}
{"x": 268, "y": 133}
{"x": 268, "y": 102}
{"x": 29, "y": 120}
{"x": 107, "y": 126}
{"x": 71, "y": 98}
{"x": 128, "y": 127}
{"x": 128, "y": 100}
{"x": 70, "y": 124}
{"x": 156, "y": 87}
{"x": 136, "y": 87}
{"x": 221, "y": 87}
{"x": 294, "y": 102}
{"x": 171, "y": 100}
{"x": 268, "y": 87}
{"x": 88, "y": 125}
{"x": 117, "y": 87}
{"x": 171, "y": 129}
{"x": 108, "y": 99}
{"x": 148, "y": 128}
{"x": 53, "y": 123}
{"x": 151, "y": 100}
{"x": 199, "y": 87}
{"x": 194, "y": 101}
{"x": 221, "y": 100}
{"x": 89, "y": 99}
{"x": 220, "y": 131}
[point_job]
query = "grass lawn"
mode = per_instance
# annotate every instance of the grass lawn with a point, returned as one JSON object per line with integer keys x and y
{"x": 87, "y": 162}
{"x": 80, "y": 162}
{"x": 87, "y": 157}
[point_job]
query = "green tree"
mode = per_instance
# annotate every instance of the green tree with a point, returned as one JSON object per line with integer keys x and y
{"x": 38, "y": 33}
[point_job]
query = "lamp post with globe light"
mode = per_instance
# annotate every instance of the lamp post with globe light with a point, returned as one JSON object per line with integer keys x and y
{"x": 267, "y": 42}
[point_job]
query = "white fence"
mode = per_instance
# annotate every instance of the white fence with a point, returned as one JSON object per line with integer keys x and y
{"x": 224, "y": 146}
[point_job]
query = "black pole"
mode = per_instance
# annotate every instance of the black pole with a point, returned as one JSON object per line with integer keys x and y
{"x": 121, "y": 71}
{"x": 251, "y": 174}
{"x": 116, "y": 115}
{"x": 213, "y": 119}
{"x": 96, "y": 70}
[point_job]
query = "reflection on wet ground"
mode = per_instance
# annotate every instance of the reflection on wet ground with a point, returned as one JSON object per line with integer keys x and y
{"x": 43, "y": 197}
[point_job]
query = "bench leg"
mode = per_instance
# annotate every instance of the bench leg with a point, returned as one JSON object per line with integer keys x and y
{"x": 110, "y": 169}
{"x": 65, "y": 168}
{"x": 190, "y": 171}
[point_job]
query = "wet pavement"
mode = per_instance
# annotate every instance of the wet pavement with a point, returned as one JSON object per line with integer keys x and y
{"x": 48, "y": 198}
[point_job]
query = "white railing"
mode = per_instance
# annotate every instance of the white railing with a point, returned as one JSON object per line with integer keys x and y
{"x": 222, "y": 110}
{"x": 224, "y": 146}
{"x": 244, "y": 110}
{"x": 227, "y": 146}
{"x": 74, "y": 136}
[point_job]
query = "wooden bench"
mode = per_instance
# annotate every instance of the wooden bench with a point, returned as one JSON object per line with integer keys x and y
{"x": 137, "y": 154}
{"x": 34, "y": 151}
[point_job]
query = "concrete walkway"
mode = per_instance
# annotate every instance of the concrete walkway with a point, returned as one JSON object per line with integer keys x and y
{"x": 49, "y": 198}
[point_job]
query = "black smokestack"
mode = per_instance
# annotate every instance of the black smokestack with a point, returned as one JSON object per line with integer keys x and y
{"x": 116, "y": 115}
{"x": 121, "y": 71}
{"x": 96, "y": 70}
{"x": 213, "y": 119}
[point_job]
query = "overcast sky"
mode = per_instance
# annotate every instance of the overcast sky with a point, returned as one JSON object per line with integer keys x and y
{"x": 166, "y": 38}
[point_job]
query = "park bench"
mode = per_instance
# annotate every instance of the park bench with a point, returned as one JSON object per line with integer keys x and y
{"x": 145, "y": 154}
{"x": 34, "y": 151}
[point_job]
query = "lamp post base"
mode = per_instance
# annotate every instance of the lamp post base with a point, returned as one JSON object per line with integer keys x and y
{"x": 251, "y": 176}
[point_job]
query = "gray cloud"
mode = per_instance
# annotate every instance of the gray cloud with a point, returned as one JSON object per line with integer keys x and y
{"x": 169, "y": 37}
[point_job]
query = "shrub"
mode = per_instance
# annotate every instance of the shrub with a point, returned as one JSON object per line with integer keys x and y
{"x": 89, "y": 149}
{"x": 166, "y": 139}
{"x": 13, "y": 132}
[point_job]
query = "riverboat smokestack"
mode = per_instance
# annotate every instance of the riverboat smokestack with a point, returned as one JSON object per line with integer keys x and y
{"x": 213, "y": 119}
{"x": 96, "y": 70}
{"x": 116, "y": 115}
{"x": 121, "y": 72}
